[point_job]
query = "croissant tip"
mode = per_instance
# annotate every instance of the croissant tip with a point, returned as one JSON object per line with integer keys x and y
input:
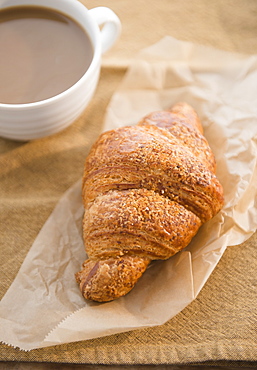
{"x": 109, "y": 279}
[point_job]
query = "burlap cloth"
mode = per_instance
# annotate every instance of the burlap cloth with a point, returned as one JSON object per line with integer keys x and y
{"x": 221, "y": 323}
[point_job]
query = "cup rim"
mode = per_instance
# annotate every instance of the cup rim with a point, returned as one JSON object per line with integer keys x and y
{"x": 94, "y": 63}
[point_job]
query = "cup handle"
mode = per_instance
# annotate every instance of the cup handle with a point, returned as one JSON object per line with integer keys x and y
{"x": 111, "y": 25}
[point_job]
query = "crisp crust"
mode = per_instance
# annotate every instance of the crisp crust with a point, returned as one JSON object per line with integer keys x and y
{"x": 186, "y": 134}
{"x": 146, "y": 191}
{"x": 111, "y": 278}
{"x": 137, "y": 222}
{"x": 146, "y": 156}
{"x": 186, "y": 113}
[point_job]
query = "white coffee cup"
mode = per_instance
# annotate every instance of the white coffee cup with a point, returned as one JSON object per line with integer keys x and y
{"x": 39, "y": 119}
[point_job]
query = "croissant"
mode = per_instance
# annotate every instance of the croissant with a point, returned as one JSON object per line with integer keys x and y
{"x": 146, "y": 191}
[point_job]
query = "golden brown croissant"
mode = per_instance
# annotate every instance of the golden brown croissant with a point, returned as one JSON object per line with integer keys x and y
{"x": 146, "y": 191}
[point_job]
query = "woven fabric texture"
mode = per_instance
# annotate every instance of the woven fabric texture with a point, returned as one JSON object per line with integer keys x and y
{"x": 220, "y": 324}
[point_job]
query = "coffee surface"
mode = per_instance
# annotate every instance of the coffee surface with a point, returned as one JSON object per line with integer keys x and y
{"x": 42, "y": 53}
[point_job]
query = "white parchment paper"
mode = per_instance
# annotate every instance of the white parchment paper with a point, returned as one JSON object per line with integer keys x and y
{"x": 44, "y": 307}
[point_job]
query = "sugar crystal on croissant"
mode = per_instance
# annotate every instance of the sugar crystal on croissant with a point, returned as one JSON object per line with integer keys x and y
{"x": 146, "y": 191}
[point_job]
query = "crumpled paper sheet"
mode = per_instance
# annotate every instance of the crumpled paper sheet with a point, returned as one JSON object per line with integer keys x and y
{"x": 44, "y": 307}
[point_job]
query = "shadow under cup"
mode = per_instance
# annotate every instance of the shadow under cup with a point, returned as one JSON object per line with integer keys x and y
{"x": 37, "y": 119}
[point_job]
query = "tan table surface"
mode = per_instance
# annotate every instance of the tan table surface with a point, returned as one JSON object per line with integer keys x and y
{"x": 219, "y": 327}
